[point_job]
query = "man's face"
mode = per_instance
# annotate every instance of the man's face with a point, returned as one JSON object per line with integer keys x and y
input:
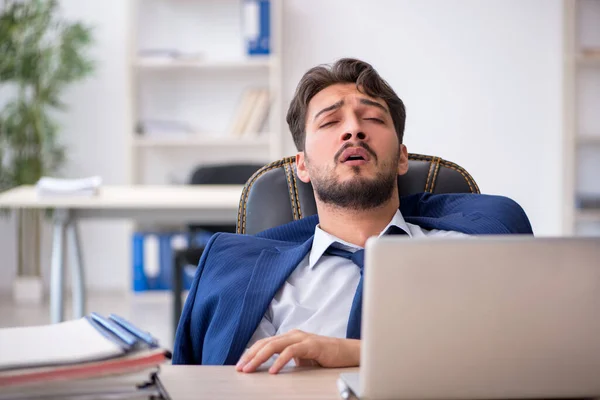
{"x": 351, "y": 154}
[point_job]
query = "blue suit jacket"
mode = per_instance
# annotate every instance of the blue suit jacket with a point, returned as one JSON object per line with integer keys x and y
{"x": 238, "y": 275}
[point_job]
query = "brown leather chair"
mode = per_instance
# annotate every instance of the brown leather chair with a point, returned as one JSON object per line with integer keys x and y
{"x": 274, "y": 195}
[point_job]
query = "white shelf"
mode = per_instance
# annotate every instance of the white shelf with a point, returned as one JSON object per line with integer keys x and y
{"x": 203, "y": 85}
{"x": 247, "y": 63}
{"x": 201, "y": 141}
{"x": 588, "y": 215}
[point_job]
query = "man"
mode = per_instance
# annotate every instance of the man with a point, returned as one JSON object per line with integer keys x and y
{"x": 294, "y": 292}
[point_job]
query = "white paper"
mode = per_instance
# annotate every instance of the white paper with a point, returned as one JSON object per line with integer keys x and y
{"x": 56, "y": 344}
{"x": 57, "y": 186}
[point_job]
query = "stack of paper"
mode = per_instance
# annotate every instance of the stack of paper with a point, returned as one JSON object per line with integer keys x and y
{"x": 168, "y": 55}
{"x": 82, "y": 187}
{"x": 76, "y": 356}
{"x": 66, "y": 342}
{"x": 111, "y": 387}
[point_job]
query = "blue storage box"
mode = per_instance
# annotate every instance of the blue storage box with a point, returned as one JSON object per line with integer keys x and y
{"x": 152, "y": 258}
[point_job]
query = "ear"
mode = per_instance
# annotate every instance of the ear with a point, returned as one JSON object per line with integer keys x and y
{"x": 301, "y": 167}
{"x": 403, "y": 161}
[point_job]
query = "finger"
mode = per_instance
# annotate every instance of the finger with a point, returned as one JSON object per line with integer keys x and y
{"x": 275, "y": 346}
{"x": 256, "y": 347}
{"x": 251, "y": 352}
{"x": 260, "y": 344}
{"x": 297, "y": 350}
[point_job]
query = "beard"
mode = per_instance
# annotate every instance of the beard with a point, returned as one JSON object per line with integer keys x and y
{"x": 358, "y": 193}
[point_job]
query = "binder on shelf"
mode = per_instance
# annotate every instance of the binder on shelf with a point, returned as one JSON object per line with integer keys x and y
{"x": 89, "y": 348}
{"x": 257, "y": 27}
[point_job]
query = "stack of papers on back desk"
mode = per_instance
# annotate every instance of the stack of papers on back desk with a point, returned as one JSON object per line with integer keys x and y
{"x": 68, "y": 187}
{"x": 92, "y": 356}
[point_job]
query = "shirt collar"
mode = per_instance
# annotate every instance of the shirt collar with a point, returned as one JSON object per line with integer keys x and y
{"x": 322, "y": 240}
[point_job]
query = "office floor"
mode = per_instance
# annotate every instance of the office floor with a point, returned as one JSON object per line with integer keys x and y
{"x": 150, "y": 311}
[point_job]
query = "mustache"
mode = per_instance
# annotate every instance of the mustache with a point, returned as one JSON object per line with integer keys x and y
{"x": 359, "y": 144}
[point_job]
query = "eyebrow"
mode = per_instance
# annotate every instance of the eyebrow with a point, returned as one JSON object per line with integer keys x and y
{"x": 374, "y": 104}
{"x": 341, "y": 103}
{"x": 330, "y": 108}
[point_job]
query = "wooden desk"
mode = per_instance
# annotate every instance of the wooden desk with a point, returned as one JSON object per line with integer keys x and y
{"x": 174, "y": 204}
{"x": 184, "y": 382}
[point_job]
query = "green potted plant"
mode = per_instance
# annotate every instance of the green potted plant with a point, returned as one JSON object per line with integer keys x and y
{"x": 41, "y": 53}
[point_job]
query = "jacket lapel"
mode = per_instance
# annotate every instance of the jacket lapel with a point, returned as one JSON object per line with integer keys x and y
{"x": 270, "y": 272}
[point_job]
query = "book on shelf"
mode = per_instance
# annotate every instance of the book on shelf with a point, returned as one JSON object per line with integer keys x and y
{"x": 259, "y": 113}
{"x": 251, "y": 114}
{"x": 92, "y": 354}
{"x": 243, "y": 112}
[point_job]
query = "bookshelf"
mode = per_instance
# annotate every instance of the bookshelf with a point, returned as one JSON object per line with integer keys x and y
{"x": 190, "y": 71}
{"x": 582, "y": 121}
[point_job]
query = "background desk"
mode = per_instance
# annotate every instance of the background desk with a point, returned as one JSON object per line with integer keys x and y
{"x": 184, "y": 382}
{"x": 203, "y": 204}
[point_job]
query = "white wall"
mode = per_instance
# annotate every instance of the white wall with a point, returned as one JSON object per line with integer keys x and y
{"x": 94, "y": 131}
{"x": 481, "y": 81}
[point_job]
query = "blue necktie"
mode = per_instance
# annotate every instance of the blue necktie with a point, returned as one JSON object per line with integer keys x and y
{"x": 358, "y": 258}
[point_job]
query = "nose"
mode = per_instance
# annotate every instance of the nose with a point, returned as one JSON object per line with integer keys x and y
{"x": 352, "y": 130}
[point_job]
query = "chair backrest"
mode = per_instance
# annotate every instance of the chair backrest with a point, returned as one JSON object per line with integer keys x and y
{"x": 274, "y": 195}
{"x": 221, "y": 174}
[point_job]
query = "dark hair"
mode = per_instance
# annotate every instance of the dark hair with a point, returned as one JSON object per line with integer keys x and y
{"x": 346, "y": 70}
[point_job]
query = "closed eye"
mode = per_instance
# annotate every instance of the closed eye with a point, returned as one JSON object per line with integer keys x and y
{"x": 375, "y": 119}
{"x": 326, "y": 124}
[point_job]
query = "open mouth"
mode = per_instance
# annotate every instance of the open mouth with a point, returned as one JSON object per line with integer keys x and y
{"x": 355, "y": 156}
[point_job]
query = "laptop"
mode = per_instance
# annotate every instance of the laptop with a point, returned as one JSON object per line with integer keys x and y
{"x": 482, "y": 318}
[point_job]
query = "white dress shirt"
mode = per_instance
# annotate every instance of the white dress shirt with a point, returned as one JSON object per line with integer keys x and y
{"x": 318, "y": 295}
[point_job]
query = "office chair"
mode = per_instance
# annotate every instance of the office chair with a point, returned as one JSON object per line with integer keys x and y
{"x": 274, "y": 195}
{"x": 225, "y": 174}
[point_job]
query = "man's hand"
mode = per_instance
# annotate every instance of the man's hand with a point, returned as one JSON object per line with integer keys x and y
{"x": 304, "y": 348}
